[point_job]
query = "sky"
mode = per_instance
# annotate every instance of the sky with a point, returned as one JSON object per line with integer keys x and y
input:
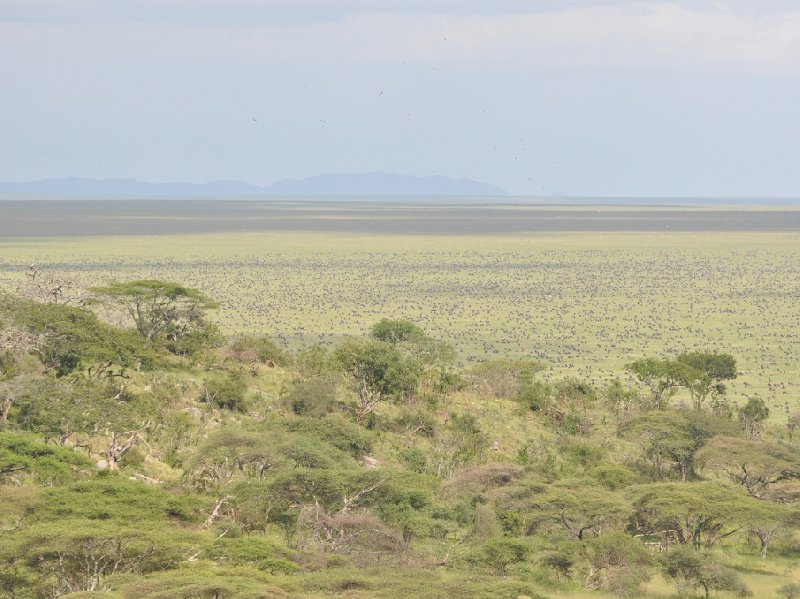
{"x": 592, "y": 97}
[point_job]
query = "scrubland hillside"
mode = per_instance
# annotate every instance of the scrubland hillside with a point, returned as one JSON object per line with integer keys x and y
{"x": 161, "y": 459}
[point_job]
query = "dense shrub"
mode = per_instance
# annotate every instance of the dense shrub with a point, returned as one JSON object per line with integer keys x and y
{"x": 21, "y": 456}
{"x": 74, "y": 338}
{"x": 226, "y": 392}
{"x": 313, "y": 397}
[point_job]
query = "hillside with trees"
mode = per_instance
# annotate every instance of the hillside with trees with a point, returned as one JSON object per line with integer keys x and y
{"x": 143, "y": 454}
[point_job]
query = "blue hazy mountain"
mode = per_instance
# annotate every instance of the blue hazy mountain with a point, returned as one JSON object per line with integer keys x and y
{"x": 370, "y": 184}
{"x": 382, "y": 184}
{"x": 126, "y": 188}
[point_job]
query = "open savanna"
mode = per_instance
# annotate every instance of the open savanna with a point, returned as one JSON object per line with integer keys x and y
{"x": 585, "y": 303}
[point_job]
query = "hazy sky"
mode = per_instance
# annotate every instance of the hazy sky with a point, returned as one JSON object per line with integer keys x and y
{"x": 594, "y": 97}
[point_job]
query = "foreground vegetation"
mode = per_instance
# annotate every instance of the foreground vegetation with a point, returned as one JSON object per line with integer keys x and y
{"x": 162, "y": 458}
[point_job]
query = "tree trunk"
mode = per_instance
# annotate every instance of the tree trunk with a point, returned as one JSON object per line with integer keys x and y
{"x": 659, "y": 467}
{"x": 764, "y": 545}
{"x": 6, "y": 409}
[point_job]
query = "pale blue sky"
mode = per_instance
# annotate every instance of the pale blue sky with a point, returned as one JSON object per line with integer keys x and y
{"x": 587, "y": 97}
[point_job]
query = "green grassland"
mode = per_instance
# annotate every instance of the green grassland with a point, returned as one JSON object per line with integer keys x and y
{"x": 584, "y": 303}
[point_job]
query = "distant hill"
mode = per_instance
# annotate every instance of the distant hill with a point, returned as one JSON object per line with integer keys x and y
{"x": 371, "y": 184}
{"x": 382, "y": 184}
{"x": 77, "y": 186}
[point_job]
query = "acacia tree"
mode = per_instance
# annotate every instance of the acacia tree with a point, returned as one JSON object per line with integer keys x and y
{"x": 700, "y": 514}
{"x": 159, "y": 307}
{"x": 674, "y": 436}
{"x": 700, "y": 372}
{"x": 758, "y": 466}
{"x": 660, "y": 376}
{"x": 692, "y": 569}
{"x": 229, "y": 452}
{"x": 59, "y": 410}
{"x": 703, "y": 373}
{"x": 580, "y": 509}
{"x": 616, "y": 563}
{"x": 397, "y": 331}
{"x": 767, "y": 523}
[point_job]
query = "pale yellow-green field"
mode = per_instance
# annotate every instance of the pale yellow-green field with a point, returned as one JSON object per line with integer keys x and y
{"x": 585, "y": 303}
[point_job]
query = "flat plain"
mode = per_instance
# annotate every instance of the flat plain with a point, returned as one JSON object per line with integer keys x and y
{"x": 585, "y": 289}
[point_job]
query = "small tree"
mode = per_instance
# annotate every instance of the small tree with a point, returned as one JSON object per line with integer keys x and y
{"x": 69, "y": 339}
{"x": 581, "y": 510}
{"x": 499, "y": 554}
{"x": 616, "y": 563}
{"x": 431, "y": 358}
{"x": 659, "y": 376}
{"x": 397, "y": 331}
{"x": 790, "y": 591}
{"x": 312, "y": 397}
{"x": 694, "y": 569}
{"x": 8, "y": 366}
{"x": 699, "y": 514}
{"x": 752, "y": 416}
{"x": 758, "y": 466}
{"x": 228, "y": 392}
{"x": 703, "y": 373}
{"x": 620, "y": 399}
{"x": 380, "y": 372}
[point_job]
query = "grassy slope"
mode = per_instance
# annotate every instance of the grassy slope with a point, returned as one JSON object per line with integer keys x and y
{"x": 498, "y": 419}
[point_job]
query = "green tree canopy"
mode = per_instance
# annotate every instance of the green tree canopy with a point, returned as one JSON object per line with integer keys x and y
{"x": 69, "y": 339}
{"x": 703, "y": 373}
{"x": 673, "y": 436}
{"x": 752, "y": 416}
{"x": 160, "y": 307}
{"x": 617, "y": 563}
{"x": 659, "y": 376}
{"x": 380, "y": 371}
{"x": 56, "y": 409}
{"x": 693, "y": 569}
{"x": 397, "y": 331}
{"x": 700, "y": 372}
{"x": 761, "y": 467}
{"x": 697, "y": 514}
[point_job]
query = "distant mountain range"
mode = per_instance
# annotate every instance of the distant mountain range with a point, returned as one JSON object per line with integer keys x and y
{"x": 370, "y": 184}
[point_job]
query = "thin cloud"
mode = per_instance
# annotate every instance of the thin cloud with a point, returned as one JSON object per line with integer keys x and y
{"x": 311, "y": 11}
{"x": 640, "y": 36}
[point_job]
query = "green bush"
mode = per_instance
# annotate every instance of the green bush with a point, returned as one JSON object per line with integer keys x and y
{"x": 59, "y": 409}
{"x": 8, "y": 364}
{"x": 314, "y": 397}
{"x": 22, "y": 456}
{"x": 247, "y": 348}
{"x": 115, "y": 500}
{"x": 691, "y": 568}
{"x": 335, "y": 431}
{"x": 790, "y": 591}
{"x": 500, "y": 554}
{"x": 75, "y": 338}
{"x": 227, "y": 393}
{"x": 253, "y": 550}
{"x": 559, "y": 561}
